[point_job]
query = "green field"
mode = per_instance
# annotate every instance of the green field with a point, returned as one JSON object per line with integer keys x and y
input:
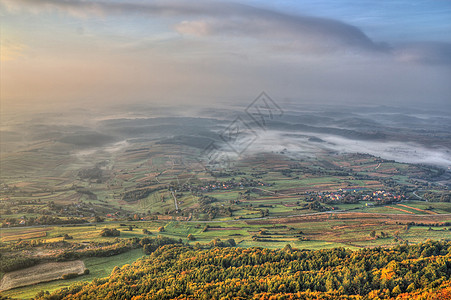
{"x": 98, "y": 267}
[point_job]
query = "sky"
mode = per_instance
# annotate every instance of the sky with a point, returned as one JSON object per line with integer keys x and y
{"x": 82, "y": 53}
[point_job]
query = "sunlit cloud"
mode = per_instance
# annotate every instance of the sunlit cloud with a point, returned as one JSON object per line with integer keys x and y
{"x": 11, "y": 50}
{"x": 298, "y": 33}
{"x": 197, "y": 28}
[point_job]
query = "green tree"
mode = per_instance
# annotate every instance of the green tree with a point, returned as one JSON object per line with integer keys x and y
{"x": 411, "y": 288}
{"x": 396, "y": 290}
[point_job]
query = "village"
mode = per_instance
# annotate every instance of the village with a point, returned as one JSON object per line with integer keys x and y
{"x": 378, "y": 197}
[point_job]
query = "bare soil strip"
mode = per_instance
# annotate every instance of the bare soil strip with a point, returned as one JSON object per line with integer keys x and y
{"x": 403, "y": 210}
{"x": 419, "y": 209}
{"x": 40, "y": 273}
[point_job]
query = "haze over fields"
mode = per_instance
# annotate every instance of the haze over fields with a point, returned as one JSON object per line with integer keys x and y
{"x": 405, "y": 136}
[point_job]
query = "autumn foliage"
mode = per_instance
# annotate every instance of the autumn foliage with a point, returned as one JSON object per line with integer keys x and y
{"x": 420, "y": 271}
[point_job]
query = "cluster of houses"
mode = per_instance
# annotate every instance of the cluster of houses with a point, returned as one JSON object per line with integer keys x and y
{"x": 383, "y": 196}
{"x": 354, "y": 196}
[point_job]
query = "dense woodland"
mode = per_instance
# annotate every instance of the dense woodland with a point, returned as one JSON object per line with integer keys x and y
{"x": 420, "y": 271}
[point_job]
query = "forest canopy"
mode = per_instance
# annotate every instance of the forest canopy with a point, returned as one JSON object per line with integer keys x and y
{"x": 183, "y": 272}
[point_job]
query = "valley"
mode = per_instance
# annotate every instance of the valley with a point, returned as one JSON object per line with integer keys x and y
{"x": 155, "y": 189}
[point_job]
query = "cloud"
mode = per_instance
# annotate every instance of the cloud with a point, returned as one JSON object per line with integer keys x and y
{"x": 425, "y": 52}
{"x": 401, "y": 151}
{"x": 11, "y": 50}
{"x": 309, "y": 34}
{"x": 161, "y": 8}
{"x": 198, "y": 28}
{"x": 279, "y": 30}
{"x": 226, "y": 19}
{"x": 289, "y": 32}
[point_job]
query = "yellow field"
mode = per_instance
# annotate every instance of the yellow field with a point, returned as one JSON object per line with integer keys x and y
{"x": 24, "y": 234}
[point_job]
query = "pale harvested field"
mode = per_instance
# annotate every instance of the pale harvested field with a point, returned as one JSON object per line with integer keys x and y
{"x": 31, "y": 235}
{"x": 26, "y": 233}
{"x": 40, "y": 273}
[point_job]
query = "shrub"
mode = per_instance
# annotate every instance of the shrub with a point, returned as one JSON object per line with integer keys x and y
{"x": 110, "y": 232}
{"x": 69, "y": 276}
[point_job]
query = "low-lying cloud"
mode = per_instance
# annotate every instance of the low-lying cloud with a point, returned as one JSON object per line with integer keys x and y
{"x": 425, "y": 52}
{"x": 302, "y": 145}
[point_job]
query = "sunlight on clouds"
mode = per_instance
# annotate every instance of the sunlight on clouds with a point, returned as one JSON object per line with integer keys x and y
{"x": 11, "y": 50}
{"x": 196, "y": 28}
{"x": 78, "y": 9}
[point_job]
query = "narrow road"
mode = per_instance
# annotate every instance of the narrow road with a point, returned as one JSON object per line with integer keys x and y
{"x": 419, "y": 197}
{"x": 175, "y": 201}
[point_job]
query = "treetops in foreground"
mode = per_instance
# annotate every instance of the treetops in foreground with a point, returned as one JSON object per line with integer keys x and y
{"x": 420, "y": 271}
